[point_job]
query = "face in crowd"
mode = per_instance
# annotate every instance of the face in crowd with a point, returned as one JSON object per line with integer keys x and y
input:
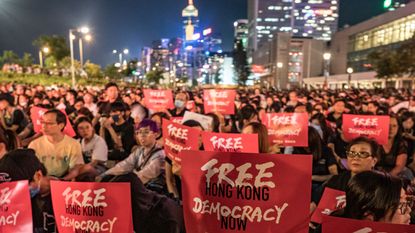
{"x": 145, "y": 136}
{"x": 85, "y": 129}
{"x": 339, "y": 107}
{"x": 112, "y": 93}
{"x": 50, "y": 126}
{"x": 180, "y": 101}
{"x": 360, "y": 157}
{"x": 393, "y": 127}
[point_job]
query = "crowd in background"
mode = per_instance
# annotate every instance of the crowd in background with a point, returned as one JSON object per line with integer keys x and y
{"x": 118, "y": 139}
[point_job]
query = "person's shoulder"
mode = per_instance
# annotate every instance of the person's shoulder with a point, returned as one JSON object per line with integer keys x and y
{"x": 37, "y": 142}
{"x": 339, "y": 182}
{"x": 70, "y": 141}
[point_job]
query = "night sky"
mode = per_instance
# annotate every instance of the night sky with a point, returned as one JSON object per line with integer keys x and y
{"x": 131, "y": 24}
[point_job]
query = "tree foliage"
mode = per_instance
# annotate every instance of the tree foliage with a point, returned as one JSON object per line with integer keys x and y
{"x": 56, "y": 44}
{"x": 27, "y": 60}
{"x": 241, "y": 63}
{"x": 9, "y": 57}
{"x": 154, "y": 77}
{"x": 112, "y": 72}
{"x": 93, "y": 70}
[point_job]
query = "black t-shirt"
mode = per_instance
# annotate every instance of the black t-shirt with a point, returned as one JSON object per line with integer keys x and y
{"x": 339, "y": 182}
{"x": 340, "y": 146}
{"x": 126, "y": 131}
{"x": 173, "y": 112}
{"x": 17, "y": 118}
{"x": 388, "y": 160}
{"x": 42, "y": 214}
{"x": 321, "y": 165}
{"x": 177, "y": 179}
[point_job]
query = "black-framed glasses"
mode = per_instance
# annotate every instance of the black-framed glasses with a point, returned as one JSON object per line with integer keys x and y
{"x": 362, "y": 155}
{"x": 405, "y": 206}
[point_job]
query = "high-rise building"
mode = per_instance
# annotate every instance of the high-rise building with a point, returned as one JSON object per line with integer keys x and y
{"x": 241, "y": 32}
{"x": 316, "y": 19}
{"x": 190, "y": 16}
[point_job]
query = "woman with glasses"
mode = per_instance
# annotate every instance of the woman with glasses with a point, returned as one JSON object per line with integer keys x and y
{"x": 378, "y": 197}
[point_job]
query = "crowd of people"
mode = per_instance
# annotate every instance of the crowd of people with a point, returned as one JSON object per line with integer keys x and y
{"x": 118, "y": 139}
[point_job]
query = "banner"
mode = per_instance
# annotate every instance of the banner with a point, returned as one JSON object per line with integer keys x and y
{"x": 287, "y": 129}
{"x": 344, "y": 225}
{"x": 158, "y": 100}
{"x": 92, "y": 207}
{"x": 205, "y": 121}
{"x": 227, "y": 142}
{"x": 36, "y": 114}
{"x": 250, "y": 193}
{"x": 177, "y": 138}
{"x": 222, "y": 101}
{"x": 376, "y": 127}
{"x": 15, "y": 207}
{"x": 177, "y": 120}
{"x": 330, "y": 201}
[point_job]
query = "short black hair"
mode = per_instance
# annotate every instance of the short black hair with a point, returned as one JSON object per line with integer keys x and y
{"x": 82, "y": 119}
{"x": 60, "y": 116}
{"x": 7, "y": 97}
{"x": 117, "y": 106}
{"x": 111, "y": 84}
{"x": 374, "y": 146}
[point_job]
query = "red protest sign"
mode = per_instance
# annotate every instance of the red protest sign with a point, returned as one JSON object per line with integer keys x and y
{"x": 227, "y": 142}
{"x": 36, "y": 114}
{"x": 287, "y": 129}
{"x": 344, "y": 225}
{"x": 177, "y": 120}
{"x": 92, "y": 207}
{"x": 376, "y": 127}
{"x": 177, "y": 138}
{"x": 158, "y": 100}
{"x": 222, "y": 101}
{"x": 15, "y": 210}
{"x": 243, "y": 192}
{"x": 330, "y": 201}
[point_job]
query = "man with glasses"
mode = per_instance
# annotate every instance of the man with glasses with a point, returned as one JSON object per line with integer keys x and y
{"x": 61, "y": 154}
{"x": 147, "y": 162}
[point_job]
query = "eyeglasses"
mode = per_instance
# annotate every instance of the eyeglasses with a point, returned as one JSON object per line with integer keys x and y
{"x": 142, "y": 132}
{"x": 405, "y": 206}
{"x": 361, "y": 155}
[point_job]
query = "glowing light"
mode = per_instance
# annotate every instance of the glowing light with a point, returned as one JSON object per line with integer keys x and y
{"x": 207, "y": 31}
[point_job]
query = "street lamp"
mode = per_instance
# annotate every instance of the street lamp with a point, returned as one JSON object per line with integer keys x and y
{"x": 326, "y": 57}
{"x": 350, "y": 72}
{"x": 44, "y": 50}
{"x": 83, "y": 30}
{"x": 280, "y": 65}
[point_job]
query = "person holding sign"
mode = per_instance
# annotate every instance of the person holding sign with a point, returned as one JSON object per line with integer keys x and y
{"x": 262, "y": 131}
{"x": 180, "y": 103}
{"x": 61, "y": 154}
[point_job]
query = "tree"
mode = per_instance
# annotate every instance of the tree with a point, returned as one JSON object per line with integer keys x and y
{"x": 27, "y": 60}
{"x": 9, "y": 57}
{"x": 241, "y": 63}
{"x": 56, "y": 44}
{"x": 93, "y": 70}
{"x": 112, "y": 72}
{"x": 154, "y": 77}
{"x": 385, "y": 63}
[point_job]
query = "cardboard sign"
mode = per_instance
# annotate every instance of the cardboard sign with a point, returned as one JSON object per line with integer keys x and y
{"x": 376, "y": 127}
{"x": 92, "y": 207}
{"x": 36, "y": 114}
{"x": 205, "y": 121}
{"x": 344, "y": 225}
{"x": 226, "y": 142}
{"x": 240, "y": 192}
{"x": 15, "y": 207}
{"x": 158, "y": 100}
{"x": 222, "y": 101}
{"x": 331, "y": 200}
{"x": 287, "y": 129}
{"x": 178, "y": 137}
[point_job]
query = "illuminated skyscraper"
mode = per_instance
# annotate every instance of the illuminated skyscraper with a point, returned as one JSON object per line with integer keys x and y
{"x": 190, "y": 19}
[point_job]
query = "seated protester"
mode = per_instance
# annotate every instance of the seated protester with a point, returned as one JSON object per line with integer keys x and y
{"x": 94, "y": 148}
{"x": 408, "y": 134}
{"x": 111, "y": 96}
{"x": 151, "y": 212}
{"x": 158, "y": 118}
{"x": 373, "y": 107}
{"x": 324, "y": 163}
{"x": 11, "y": 117}
{"x": 318, "y": 121}
{"x": 262, "y": 131}
{"x": 138, "y": 113}
{"x": 90, "y": 104}
{"x": 362, "y": 155}
{"x": 180, "y": 103}
{"x": 23, "y": 164}
{"x": 246, "y": 115}
{"x": 393, "y": 155}
{"x": 117, "y": 132}
{"x": 337, "y": 112}
{"x": 8, "y": 141}
{"x": 173, "y": 169}
{"x": 70, "y": 99}
{"x": 338, "y": 144}
{"x": 61, "y": 154}
{"x": 377, "y": 197}
{"x": 146, "y": 162}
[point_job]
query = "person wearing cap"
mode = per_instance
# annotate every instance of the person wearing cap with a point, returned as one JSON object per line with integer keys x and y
{"x": 11, "y": 118}
{"x": 146, "y": 162}
{"x": 22, "y": 164}
{"x": 61, "y": 154}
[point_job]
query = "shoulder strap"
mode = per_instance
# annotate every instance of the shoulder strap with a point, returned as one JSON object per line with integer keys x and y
{"x": 152, "y": 151}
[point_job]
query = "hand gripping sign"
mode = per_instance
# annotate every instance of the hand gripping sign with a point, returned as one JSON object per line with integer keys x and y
{"x": 376, "y": 127}
{"x": 177, "y": 138}
{"x": 287, "y": 129}
{"x": 92, "y": 207}
{"x": 344, "y": 225}
{"x": 36, "y": 115}
{"x": 158, "y": 100}
{"x": 222, "y": 101}
{"x": 331, "y": 200}
{"x": 227, "y": 142}
{"x": 15, "y": 208}
{"x": 241, "y": 192}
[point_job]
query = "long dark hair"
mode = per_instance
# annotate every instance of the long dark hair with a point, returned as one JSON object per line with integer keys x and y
{"x": 327, "y": 131}
{"x": 262, "y": 131}
{"x": 372, "y": 193}
{"x": 9, "y": 139}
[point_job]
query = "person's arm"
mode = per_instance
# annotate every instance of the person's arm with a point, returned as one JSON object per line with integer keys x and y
{"x": 170, "y": 181}
{"x": 99, "y": 153}
{"x": 73, "y": 172}
{"x": 152, "y": 169}
{"x": 399, "y": 164}
{"x": 333, "y": 150}
{"x": 3, "y": 123}
{"x": 76, "y": 162}
{"x": 115, "y": 138}
{"x": 125, "y": 166}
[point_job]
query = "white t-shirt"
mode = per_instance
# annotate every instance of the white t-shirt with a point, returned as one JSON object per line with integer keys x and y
{"x": 96, "y": 149}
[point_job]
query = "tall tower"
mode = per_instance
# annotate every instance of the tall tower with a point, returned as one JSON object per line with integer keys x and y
{"x": 190, "y": 19}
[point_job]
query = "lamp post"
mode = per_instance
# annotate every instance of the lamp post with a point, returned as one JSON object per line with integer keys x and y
{"x": 280, "y": 65}
{"x": 81, "y": 50}
{"x": 44, "y": 50}
{"x": 349, "y": 79}
{"x": 83, "y": 30}
{"x": 326, "y": 57}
